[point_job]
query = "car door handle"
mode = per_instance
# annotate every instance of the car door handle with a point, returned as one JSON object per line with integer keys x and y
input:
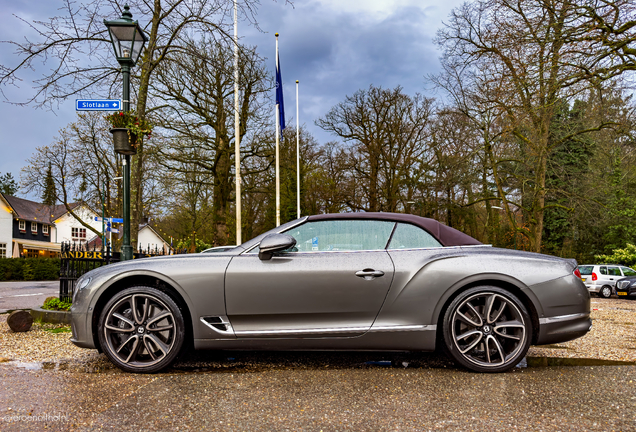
{"x": 369, "y": 274}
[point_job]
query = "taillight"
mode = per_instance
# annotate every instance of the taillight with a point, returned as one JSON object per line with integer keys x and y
{"x": 577, "y": 273}
{"x": 594, "y": 277}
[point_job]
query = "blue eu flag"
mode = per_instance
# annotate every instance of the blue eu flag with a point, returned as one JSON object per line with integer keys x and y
{"x": 279, "y": 95}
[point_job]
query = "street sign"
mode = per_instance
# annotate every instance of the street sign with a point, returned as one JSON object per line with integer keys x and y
{"x": 114, "y": 220}
{"x": 98, "y": 105}
{"x": 113, "y": 230}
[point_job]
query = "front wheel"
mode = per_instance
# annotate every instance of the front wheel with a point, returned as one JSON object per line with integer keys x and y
{"x": 141, "y": 330}
{"x": 605, "y": 292}
{"x": 487, "y": 329}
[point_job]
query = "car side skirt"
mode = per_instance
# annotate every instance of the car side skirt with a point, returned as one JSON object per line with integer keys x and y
{"x": 407, "y": 338}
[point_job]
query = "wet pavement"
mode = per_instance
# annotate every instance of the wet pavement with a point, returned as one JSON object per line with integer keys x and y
{"x": 318, "y": 391}
{"x": 26, "y": 295}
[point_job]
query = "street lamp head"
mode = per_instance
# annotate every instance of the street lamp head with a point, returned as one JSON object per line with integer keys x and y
{"x": 127, "y": 37}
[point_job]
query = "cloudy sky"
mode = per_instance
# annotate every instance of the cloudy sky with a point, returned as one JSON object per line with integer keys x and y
{"x": 333, "y": 47}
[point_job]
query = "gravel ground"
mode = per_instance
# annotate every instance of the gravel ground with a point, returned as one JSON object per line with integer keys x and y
{"x": 613, "y": 337}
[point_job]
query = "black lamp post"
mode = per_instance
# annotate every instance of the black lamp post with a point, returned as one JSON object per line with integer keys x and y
{"x": 128, "y": 42}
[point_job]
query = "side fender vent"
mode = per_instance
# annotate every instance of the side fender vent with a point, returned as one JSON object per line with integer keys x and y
{"x": 220, "y": 324}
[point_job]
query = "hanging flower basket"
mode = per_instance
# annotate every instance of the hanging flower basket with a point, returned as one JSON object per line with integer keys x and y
{"x": 125, "y": 143}
{"x": 128, "y": 130}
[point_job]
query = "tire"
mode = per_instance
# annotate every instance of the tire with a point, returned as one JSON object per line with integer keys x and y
{"x": 145, "y": 338}
{"x": 605, "y": 292}
{"x": 481, "y": 341}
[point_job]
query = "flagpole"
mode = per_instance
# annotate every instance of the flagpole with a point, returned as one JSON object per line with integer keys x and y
{"x": 277, "y": 149}
{"x": 297, "y": 156}
{"x": 237, "y": 129}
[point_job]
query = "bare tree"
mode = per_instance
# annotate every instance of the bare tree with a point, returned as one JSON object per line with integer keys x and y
{"x": 534, "y": 54}
{"x": 387, "y": 131}
{"x": 197, "y": 89}
{"x": 76, "y": 51}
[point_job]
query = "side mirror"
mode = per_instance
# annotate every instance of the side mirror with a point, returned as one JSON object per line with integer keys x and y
{"x": 274, "y": 243}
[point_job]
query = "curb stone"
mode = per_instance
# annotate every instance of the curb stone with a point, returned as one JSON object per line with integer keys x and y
{"x": 51, "y": 316}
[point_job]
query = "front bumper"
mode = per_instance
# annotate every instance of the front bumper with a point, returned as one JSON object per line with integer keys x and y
{"x": 81, "y": 320}
{"x": 626, "y": 292}
{"x": 80, "y": 336}
{"x": 563, "y": 328}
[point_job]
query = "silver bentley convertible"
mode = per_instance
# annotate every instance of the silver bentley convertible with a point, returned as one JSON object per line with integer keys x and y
{"x": 354, "y": 281}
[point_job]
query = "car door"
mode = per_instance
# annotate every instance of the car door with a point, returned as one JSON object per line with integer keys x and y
{"x": 333, "y": 283}
{"x": 613, "y": 274}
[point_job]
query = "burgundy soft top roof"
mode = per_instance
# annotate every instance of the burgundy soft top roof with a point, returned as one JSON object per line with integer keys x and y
{"x": 446, "y": 235}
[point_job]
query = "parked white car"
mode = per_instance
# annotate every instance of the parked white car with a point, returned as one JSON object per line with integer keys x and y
{"x": 601, "y": 278}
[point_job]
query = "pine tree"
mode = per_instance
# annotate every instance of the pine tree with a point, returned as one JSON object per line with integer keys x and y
{"x": 49, "y": 195}
{"x": 8, "y": 184}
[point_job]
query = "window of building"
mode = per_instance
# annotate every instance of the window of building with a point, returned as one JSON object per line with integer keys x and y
{"x": 3, "y": 250}
{"x": 34, "y": 227}
{"x": 45, "y": 230}
{"x": 78, "y": 233}
{"x": 22, "y": 225}
{"x": 31, "y": 253}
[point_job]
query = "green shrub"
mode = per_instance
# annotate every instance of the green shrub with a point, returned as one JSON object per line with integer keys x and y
{"x": 56, "y": 304}
{"x": 626, "y": 256}
{"x": 29, "y": 269}
{"x": 27, "y": 272}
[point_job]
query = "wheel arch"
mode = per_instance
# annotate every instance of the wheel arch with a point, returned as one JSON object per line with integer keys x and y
{"x": 148, "y": 279}
{"x": 514, "y": 286}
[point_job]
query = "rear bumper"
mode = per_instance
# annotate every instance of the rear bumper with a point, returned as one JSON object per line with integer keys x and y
{"x": 563, "y": 328}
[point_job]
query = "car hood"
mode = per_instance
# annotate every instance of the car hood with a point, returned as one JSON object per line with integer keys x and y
{"x": 157, "y": 263}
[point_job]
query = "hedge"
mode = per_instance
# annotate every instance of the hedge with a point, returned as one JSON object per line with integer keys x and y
{"x": 28, "y": 269}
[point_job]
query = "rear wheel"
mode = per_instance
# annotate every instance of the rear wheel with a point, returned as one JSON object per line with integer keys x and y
{"x": 141, "y": 329}
{"x": 487, "y": 329}
{"x": 605, "y": 292}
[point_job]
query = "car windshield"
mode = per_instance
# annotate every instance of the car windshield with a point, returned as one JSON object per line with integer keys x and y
{"x": 219, "y": 249}
{"x": 586, "y": 269}
{"x": 628, "y": 272}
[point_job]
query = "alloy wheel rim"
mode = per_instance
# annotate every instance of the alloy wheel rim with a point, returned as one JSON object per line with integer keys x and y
{"x": 140, "y": 330}
{"x": 488, "y": 329}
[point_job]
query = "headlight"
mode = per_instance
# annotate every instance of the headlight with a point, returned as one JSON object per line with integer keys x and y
{"x": 622, "y": 284}
{"x": 83, "y": 283}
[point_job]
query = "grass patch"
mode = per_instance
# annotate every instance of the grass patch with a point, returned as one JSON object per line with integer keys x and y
{"x": 65, "y": 329}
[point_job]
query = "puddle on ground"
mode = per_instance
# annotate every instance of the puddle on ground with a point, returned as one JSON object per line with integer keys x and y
{"x": 26, "y": 365}
{"x": 562, "y": 361}
{"x": 388, "y": 363}
{"x": 232, "y": 365}
{"x": 554, "y": 347}
{"x": 238, "y": 369}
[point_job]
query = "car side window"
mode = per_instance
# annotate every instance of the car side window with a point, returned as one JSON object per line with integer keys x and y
{"x": 341, "y": 235}
{"x": 614, "y": 271}
{"x": 628, "y": 272}
{"x": 407, "y": 236}
{"x": 603, "y": 270}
